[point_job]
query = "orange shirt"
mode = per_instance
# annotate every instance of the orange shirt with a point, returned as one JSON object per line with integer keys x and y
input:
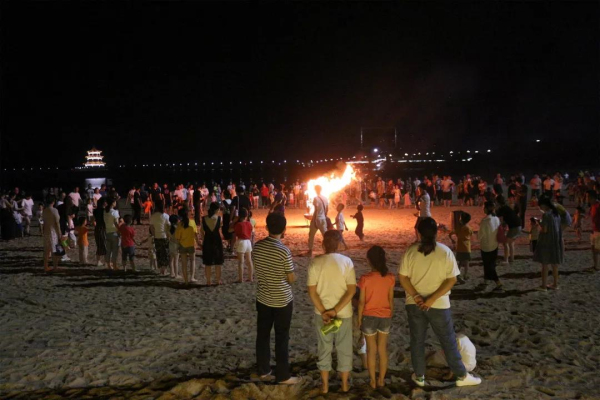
{"x": 377, "y": 289}
{"x": 82, "y": 236}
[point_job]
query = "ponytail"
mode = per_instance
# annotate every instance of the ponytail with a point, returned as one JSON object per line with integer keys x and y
{"x": 376, "y": 256}
{"x": 185, "y": 219}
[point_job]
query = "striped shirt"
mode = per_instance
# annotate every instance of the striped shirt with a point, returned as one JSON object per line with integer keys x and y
{"x": 272, "y": 262}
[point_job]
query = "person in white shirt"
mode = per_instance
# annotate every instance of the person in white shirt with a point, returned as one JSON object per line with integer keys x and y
{"x": 331, "y": 286}
{"x": 467, "y": 351}
{"x": 76, "y": 197}
{"x": 27, "y": 206}
{"x": 427, "y": 274}
{"x": 423, "y": 204}
{"x": 487, "y": 235}
{"x": 96, "y": 196}
{"x": 90, "y": 191}
{"x": 52, "y": 235}
{"x": 319, "y": 218}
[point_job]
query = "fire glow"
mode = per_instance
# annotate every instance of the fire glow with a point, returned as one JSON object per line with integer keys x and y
{"x": 330, "y": 185}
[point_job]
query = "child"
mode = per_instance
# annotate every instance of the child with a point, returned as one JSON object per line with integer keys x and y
{"x": 396, "y": 196}
{"x": 577, "y": 217}
{"x": 340, "y": 223}
{"x": 71, "y": 231}
{"x": 38, "y": 214}
{"x": 463, "y": 234}
{"x": 127, "y": 242}
{"x": 90, "y": 210}
{"x": 148, "y": 207}
{"x": 358, "y": 339}
{"x": 375, "y": 309}
{"x": 534, "y": 233}
{"x": 407, "y": 200}
{"x": 18, "y": 217}
{"x": 173, "y": 246}
{"x": 468, "y": 354}
{"x": 82, "y": 240}
{"x": 151, "y": 251}
{"x": 360, "y": 222}
{"x": 243, "y": 245}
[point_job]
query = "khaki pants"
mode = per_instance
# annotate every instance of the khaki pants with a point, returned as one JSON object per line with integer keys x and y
{"x": 343, "y": 345}
{"x": 316, "y": 225}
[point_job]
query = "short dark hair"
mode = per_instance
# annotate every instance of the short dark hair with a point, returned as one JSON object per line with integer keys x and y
{"x": 243, "y": 213}
{"x": 276, "y": 223}
{"x": 332, "y": 240}
{"x": 128, "y": 220}
{"x": 465, "y": 217}
{"x": 360, "y": 207}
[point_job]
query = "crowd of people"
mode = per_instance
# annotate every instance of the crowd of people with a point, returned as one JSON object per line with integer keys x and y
{"x": 182, "y": 219}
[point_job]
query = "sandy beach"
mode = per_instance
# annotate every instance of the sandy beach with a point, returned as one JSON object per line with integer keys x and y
{"x": 85, "y": 332}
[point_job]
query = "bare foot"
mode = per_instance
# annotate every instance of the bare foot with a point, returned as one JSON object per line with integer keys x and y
{"x": 372, "y": 384}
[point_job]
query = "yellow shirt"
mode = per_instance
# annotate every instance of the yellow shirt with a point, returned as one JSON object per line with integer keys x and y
{"x": 463, "y": 239}
{"x": 186, "y": 236}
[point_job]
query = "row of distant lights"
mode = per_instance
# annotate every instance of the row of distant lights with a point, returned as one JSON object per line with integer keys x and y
{"x": 273, "y": 161}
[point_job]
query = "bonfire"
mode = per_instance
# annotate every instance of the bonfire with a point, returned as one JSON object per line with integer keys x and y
{"x": 330, "y": 186}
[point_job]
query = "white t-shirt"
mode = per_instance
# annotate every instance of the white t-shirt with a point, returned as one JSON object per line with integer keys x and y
{"x": 161, "y": 225}
{"x": 131, "y": 194}
{"x": 557, "y": 184}
{"x": 27, "y": 205}
{"x": 96, "y": 197}
{"x": 320, "y": 202}
{"x": 340, "y": 222}
{"x": 427, "y": 273}
{"x": 488, "y": 229}
{"x": 467, "y": 350}
{"x": 548, "y": 183}
{"x": 110, "y": 218}
{"x": 425, "y": 205}
{"x": 331, "y": 274}
{"x": 76, "y": 197}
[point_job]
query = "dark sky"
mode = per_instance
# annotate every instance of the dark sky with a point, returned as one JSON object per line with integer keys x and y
{"x": 184, "y": 81}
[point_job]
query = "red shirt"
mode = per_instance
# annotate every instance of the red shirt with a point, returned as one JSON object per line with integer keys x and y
{"x": 127, "y": 234}
{"x": 595, "y": 214}
{"x": 264, "y": 191}
{"x": 377, "y": 289}
{"x": 243, "y": 230}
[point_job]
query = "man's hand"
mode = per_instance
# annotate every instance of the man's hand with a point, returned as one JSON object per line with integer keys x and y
{"x": 425, "y": 306}
{"x": 419, "y": 300}
{"x": 328, "y": 315}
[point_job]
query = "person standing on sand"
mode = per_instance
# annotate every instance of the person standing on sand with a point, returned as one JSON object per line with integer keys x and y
{"x": 423, "y": 203}
{"x": 427, "y": 274}
{"x": 212, "y": 243}
{"x": 100, "y": 231}
{"x": 549, "y": 250}
{"x": 274, "y": 301}
{"x": 159, "y": 225}
{"x": 51, "y": 234}
{"x": 487, "y": 235}
{"x": 111, "y": 223}
{"x": 319, "y": 218}
{"x": 595, "y": 236}
{"x": 331, "y": 286}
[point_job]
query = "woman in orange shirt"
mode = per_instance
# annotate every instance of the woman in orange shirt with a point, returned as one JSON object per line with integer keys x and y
{"x": 375, "y": 308}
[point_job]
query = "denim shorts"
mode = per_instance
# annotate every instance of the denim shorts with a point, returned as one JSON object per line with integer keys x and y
{"x": 127, "y": 252}
{"x": 371, "y": 325}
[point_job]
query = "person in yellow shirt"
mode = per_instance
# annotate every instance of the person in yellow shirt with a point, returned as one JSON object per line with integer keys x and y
{"x": 186, "y": 235}
{"x": 463, "y": 233}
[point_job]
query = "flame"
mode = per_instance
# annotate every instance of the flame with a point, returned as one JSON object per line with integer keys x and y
{"x": 329, "y": 185}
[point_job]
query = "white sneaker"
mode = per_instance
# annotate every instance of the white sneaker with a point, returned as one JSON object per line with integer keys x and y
{"x": 419, "y": 381}
{"x": 65, "y": 258}
{"x": 99, "y": 264}
{"x": 468, "y": 380}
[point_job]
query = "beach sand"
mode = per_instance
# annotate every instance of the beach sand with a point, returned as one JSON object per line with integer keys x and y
{"x": 85, "y": 332}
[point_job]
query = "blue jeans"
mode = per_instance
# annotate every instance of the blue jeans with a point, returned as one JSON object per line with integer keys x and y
{"x": 443, "y": 326}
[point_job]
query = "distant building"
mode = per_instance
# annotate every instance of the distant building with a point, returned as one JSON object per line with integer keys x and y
{"x": 94, "y": 159}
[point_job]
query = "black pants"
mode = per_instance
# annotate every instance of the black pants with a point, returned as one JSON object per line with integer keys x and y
{"x": 137, "y": 214}
{"x": 281, "y": 318}
{"x": 489, "y": 265}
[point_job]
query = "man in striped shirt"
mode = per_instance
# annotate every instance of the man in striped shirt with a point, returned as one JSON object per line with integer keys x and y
{"x": 274, "y": 300}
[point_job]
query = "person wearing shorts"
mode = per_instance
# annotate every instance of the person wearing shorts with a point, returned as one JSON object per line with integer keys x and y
{"x": 127, "y": 242}
{"x": 243, "y": 245}
{"x": 375, "y": 307}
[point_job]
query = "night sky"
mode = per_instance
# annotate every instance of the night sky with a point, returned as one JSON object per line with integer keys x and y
{"x": 175, "y": 81}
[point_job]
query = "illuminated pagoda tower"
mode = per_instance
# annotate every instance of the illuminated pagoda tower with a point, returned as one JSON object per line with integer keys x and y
{"x": 94, "y": 159}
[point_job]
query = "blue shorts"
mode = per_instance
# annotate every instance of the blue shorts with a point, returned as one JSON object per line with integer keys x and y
{"x": 371, "y": 325}
{"x": 127, "y": 252}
